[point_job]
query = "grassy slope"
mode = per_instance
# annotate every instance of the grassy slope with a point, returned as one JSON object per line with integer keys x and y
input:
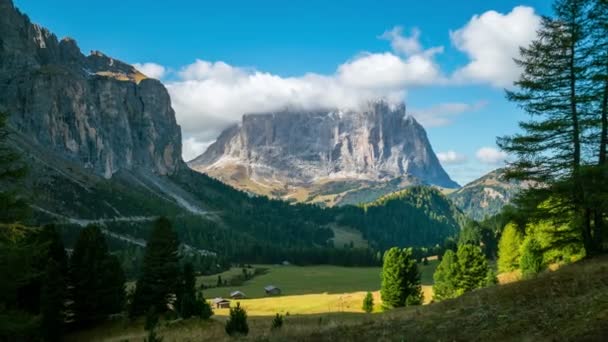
{"x": 568, "y": 304}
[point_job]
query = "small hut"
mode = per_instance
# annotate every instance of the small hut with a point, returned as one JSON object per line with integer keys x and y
{"x": 272, "y": 290}
{"x": 221, "y": 303}
{"x": 237, "y": 295}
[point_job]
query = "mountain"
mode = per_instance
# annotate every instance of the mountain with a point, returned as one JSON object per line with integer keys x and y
{"x": 103, "y": 147}
{"x": 310, "y": 155}
{"x": 94, "y": 110}
{"x": 487, "y": 195}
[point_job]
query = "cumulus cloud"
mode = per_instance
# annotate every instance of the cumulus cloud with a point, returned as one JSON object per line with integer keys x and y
{"x": 492, "y": 40}
{"x": 443, "y": 113}
{"x": 151, "y": 70}
{"x": 208, "y": 96}
{"x": 192, "y": 148}
{"x": 451, "y": 158}
{"x": 491, "y": 155}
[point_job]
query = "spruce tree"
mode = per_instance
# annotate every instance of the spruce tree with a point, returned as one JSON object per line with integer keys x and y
{"x": 445, "y": 285}
{"x": 52, "y": 302}
{"x": 160, "y": 273}
{"x": 368, "y": 303}
{"x": 237, "y": 321}
{"x": 400, "y": 279}
{"x": 509, "y": 247}
{"x": 472, "y": 268}
{"x": 187, "y": 299}
{"x": 96, "y": 277}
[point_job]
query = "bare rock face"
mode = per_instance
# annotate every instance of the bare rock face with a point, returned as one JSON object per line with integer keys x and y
{"x": 378, "y": 143}
{"x": 91, "y": 109}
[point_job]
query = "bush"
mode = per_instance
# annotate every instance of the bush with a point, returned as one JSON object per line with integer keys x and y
{"x": 205, "y": 310}
{"x": 237, "y": 322}
{"x": 277, "y": 322}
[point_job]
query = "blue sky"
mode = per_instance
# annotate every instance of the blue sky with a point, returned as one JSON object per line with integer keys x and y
{"x": 250, "y": 51}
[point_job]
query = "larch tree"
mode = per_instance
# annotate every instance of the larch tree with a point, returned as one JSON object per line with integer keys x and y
{"x": 509, "y": 247}
{"x": 400, "y": 279}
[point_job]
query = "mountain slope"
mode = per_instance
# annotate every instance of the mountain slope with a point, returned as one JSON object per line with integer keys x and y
{"x": 487, "y": 195}
{"x": 306, "y": 155}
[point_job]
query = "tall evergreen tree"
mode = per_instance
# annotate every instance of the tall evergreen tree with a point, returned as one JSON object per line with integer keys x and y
{"x": 97, "y": 279}
{"x": 472, "y": 268}
{"x": 160, "y": 273}
{"x": 52, "y": 302}
{"x": 550, "y": 89}
{"x": 187, "y": 300}
{"x": 445, "y": 278}
{"x": 400, "y": 279}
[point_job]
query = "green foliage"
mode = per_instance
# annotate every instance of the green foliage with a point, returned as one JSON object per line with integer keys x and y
{"x": 237, "y": 321}
{"x": 52, "y": 302}
{"x": 187, "y": 299}
{"x": 160, "y": 274}
{"x": 400, "y": 279}
{"x": 96, "y": 277}
{"x": 151, "y": 324}
{"x": 368, "y": 303}
{"x": 277, "y": 322}
{"x": 461, "y": 272}
{"x": 531, "y": 261}
{"x": 446, "y": 277}
{"x": 509, "y": 247}
{"x": 472, "y": 268}
{"x": 205, "y": 310}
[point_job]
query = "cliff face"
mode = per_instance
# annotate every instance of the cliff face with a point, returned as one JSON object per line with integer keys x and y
{"x": 93, "y": 109}
{"x": 378, "y": 144}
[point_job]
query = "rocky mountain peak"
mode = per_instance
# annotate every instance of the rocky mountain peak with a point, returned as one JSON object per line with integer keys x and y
{"x": 94, "y": 109}
{"x": 377, "y": 143}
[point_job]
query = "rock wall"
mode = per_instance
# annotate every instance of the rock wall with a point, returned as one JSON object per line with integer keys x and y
{"x": 92, "y": 109}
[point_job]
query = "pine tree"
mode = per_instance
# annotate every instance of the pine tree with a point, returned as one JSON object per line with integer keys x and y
{"x": 368, "y": 303}
{"x": 52, "y": 302}
{"x": 187, "y": 298}
{"x": 160, "y": 274}
{"x": 446, "y": 278}
{"x": 400, "y": 279}
{"x": 96, "y": 277}
{"x": 472, "y": 268}
{"x": 237, "y": 321}
{"x": 509, "y": 247}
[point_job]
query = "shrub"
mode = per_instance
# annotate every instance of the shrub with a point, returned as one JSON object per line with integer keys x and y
{"x": 277, "y": 322}
{"x": 237, "y": 322}
{"x": 368, "y": 303}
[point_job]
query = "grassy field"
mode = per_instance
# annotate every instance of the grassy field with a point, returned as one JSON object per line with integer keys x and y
{"x": 569, "y": 304}
{"x": 309, "y": 289}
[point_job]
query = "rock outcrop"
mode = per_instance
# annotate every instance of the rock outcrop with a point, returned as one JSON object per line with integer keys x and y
{"x": 379, "y": 143}
{"x": 93, "y": 109}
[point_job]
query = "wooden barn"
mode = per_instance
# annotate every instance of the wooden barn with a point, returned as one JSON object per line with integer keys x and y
{"x": 237, "y": 295}
{"x": 221, "y": 303}
{"x": 272, "y": 290}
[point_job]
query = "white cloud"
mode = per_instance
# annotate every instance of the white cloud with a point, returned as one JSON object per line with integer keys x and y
{"x": 192, "y": 148}
{"x": 492, "y": 40}
{"x": 451, "y": 158}
{"x": 151, "y": 70}
{"x": 491, "y": 155}
{"x": 403, "y": 44}
{"x": 443, "y": 113}
{"x": 209, "y": 96}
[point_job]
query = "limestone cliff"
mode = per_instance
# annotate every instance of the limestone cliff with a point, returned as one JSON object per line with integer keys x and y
{"x": 94, "y": 110}
{"x": 378, "y": 143}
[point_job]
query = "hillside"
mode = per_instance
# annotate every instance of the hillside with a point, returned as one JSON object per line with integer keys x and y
{"x": 487, "y": 195}
{"x": 416, "y": 216}
{"x": 570, "y": 304}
